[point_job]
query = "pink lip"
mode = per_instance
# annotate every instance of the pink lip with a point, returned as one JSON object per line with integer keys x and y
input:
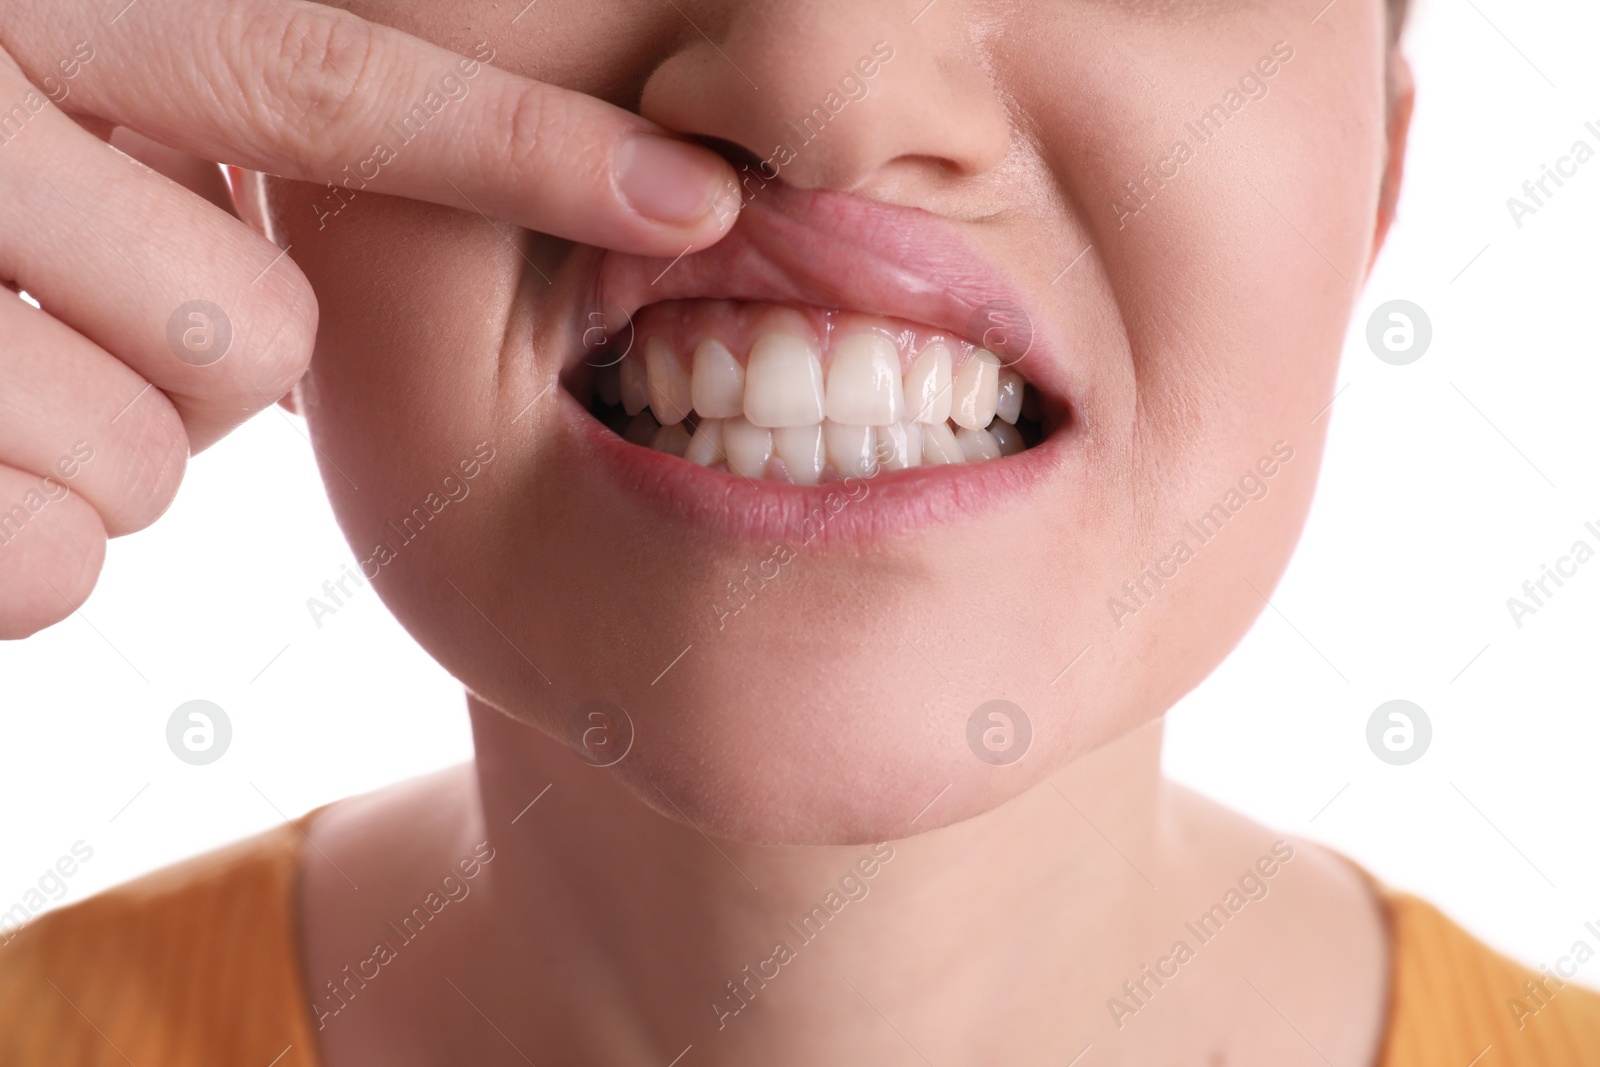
{"x": 831, "y": 250}
{"x": 836, "y": 250}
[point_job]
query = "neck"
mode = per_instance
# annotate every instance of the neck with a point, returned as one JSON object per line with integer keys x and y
{"x": 865, "y": 953}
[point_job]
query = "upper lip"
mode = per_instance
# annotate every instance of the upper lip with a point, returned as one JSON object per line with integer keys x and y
{"x": 839, "y": 251}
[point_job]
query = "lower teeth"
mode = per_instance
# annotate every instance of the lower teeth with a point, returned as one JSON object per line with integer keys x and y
{"x": 828, "y": 451}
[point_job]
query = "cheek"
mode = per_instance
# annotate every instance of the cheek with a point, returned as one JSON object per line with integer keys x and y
{"x": 1229, "y": 278}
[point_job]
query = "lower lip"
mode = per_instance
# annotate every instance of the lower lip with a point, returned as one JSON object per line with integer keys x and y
{"x": 883, "y": 507}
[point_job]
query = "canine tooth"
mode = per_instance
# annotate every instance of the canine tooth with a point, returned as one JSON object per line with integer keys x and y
{"x": 635, "y": 386}
{"x": 977, "y": 445}
{"x": 1007, "y": 436}
{"x": 1009, "y": 406}
{"x": 900, "y": 445}
{"x": 939, "y": 445}
{"x": 783, "y": 383}
{"x": 851, "y": 449}
{"x": 705, "y": 447}
{"x": 800, "y": 448}
{"x": 976, "y": 389}
{"x": 608, "y": 385}
{"x": 927, "y": 385}
{"x": 673, "y": 439}
{"x": 669, "y": 386}
{"x": 748, "y": 446}
{"x": 641, "y": 428}
{"x": 717, "y": 387}
{"x": 864, "y": 381}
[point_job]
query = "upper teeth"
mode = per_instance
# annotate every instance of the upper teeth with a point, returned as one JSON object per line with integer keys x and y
{"x": 778, "y": 415}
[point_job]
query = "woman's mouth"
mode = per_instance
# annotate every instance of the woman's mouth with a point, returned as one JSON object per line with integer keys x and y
{"x": 827, "y": 339}
{"x": 805, "y": 395}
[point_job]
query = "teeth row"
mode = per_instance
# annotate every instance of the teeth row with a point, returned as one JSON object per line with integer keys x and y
{"x": 778, "y": 416}
{"x": 802, "y": 454}
{"x": 782, "y": 386}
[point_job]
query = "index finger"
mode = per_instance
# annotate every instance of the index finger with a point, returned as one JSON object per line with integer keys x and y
{"x": 305, "y": 91}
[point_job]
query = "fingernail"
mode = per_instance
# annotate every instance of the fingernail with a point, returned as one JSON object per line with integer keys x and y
{"x": 671, "y": 181}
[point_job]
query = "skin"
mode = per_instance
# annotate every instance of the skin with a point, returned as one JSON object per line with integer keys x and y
{"x": 1188, "y": 367}
{"x": 1185, "y": 369}
{"x": 1199, "y": 333}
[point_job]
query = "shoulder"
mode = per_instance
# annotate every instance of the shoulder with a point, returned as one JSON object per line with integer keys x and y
{"x": 196, "y": 963}
{"x": 1452, "y": 998}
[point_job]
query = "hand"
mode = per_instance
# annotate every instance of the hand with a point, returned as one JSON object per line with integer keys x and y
{"x": 128, "y": 367}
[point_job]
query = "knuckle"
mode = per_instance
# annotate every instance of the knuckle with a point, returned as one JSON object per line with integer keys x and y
{"x": 150, "y": 463}
{"x": 50, "y": 563}
{"x": 302, "y": 64}
{"x": 536, "y": 128}
{"x": 285, "y": 334}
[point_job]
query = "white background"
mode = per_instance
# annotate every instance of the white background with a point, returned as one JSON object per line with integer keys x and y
{"x": 1448, "y": 483}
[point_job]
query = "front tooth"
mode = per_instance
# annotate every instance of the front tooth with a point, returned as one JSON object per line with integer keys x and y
{"x": 900, "y": 446}
{"x": 802, "y": 452}
{"x": 1008, "y": 437}
{"x": 1009, "y": 406}
{"x": 864, "y": 381}
{"x": 705, "y": 447}
{"x": 783, "y": 383}
{"x": 669, "y": 386}
{"x": 927, "y": 385}
{"x": 748, "y": 446}
{"x": 939, "y": 445}
{"x": 717, "y": 390}
{"x": 673, "y": 439}
{"x": 635, "y": 387}
{"x": 977, "y": 444}
{"x": 851, "y": 449}
{"x": 977, "y": 390}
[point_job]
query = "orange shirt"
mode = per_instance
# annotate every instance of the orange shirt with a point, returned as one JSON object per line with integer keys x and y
{"x": 199, "y": 965}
